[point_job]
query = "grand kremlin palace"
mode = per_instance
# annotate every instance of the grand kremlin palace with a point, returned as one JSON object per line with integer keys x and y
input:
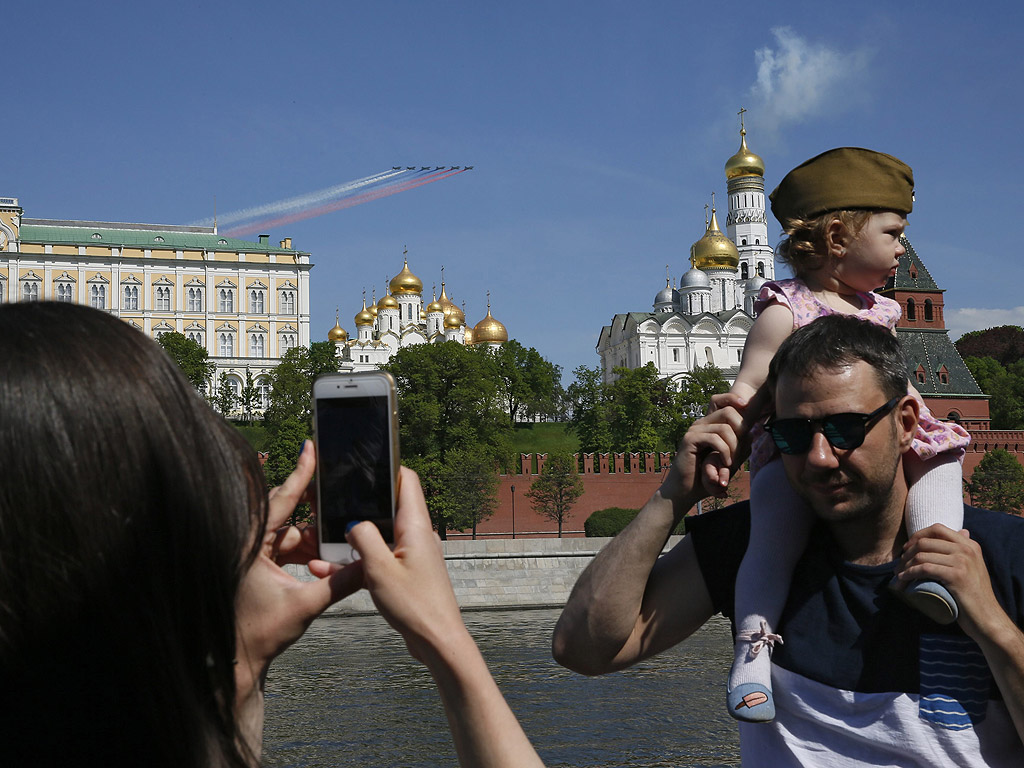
{"x": 246, "y": 302}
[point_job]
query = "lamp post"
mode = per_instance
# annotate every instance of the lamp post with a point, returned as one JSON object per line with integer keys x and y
{"x": 513, "y": 489}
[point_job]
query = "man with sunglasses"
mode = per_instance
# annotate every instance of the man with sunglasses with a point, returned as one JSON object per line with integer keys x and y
{"x": 862, "y": 679}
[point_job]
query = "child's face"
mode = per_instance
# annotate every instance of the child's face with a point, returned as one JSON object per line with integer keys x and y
{"x": 872, "y": 256}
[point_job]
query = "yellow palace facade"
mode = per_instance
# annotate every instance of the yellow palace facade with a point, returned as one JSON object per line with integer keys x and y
{"x": 246, "y": 302}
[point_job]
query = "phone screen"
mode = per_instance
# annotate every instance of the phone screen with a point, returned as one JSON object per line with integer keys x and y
{"x": 354, "y": 465}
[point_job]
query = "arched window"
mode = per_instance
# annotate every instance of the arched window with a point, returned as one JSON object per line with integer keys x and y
{"x": 760, "y": 269}
{"x": 194, "y": 300}
{"x": 911, "y": 310}
{"x": 64, "y": 292}
{"x": 163, "y": 299}
{"x": 257, "y": 345}
{"x": 707, "y": 354}
{"x": 256, "y": 302}
{"x": 744, "y": 271}
{"x": 30, "y": 290}
{"x": 287, "y": 302}
{"x": 196, "y": 336}
{"x": 98, "y": 296}
{"x": 226, "y": 348}
{"x": 227, "y": 300}
{"x": 928, "y": 310}
{"x": 287, "y": 342}
{"x": 131, "y": 297}
{"x": 263, "y": 388}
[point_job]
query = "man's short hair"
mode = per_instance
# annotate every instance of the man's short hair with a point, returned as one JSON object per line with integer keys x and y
{"x": 836, "y": 341}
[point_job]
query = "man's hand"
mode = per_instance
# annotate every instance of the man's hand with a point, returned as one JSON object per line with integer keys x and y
{"x": 714, "y": 447}
{"x": 938, "y": 553}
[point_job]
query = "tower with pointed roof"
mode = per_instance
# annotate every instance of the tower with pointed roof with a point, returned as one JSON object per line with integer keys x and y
{"x": 747, "y": 222}
{"x": 933, "y": 363}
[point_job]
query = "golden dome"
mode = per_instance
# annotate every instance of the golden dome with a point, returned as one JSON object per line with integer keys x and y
{"x": 405, "y": 282}
{"x": 337, "y": 333}
{"x": 435, "y": 306}
{"x": 469, "y": 336}
{"x": 714, "y": 250}
{"x": 451, "y": 321}
{"x": 388, "y": 302}
{"x": 446, "y": 303}
{"x": 744, "y": 162}
{"x": 489, "y": 330}
{"x": 365, "y": 316}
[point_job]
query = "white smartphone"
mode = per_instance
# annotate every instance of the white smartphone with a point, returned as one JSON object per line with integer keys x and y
{"x": 355, "y": 431}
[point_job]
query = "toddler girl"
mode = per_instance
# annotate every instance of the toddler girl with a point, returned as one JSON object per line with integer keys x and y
{"x": 843, "y": 213}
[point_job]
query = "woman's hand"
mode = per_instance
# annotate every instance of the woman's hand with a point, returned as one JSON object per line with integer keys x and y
{"x": 273, "y": 608}
{"x": 410, "y": 584}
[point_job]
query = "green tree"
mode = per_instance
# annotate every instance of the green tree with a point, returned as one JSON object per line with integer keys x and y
{"x": 1005, "y": 388}
{"x": 283, "y": 450}
{"x": 447, "y": 400}
{"x": 998, "y": 482}
{"x": 556, "y": 489}
{"x": 1004, "y": 344}
{"x": 192, "y": 358}
{"x": 589, "y": 417}
{"x": 249, "y": 398}
{"x": 225, "y": 401}
{"x": 291, "y": 382}
{"x": 528, "y": 385}
{"x": 460, "y": 490}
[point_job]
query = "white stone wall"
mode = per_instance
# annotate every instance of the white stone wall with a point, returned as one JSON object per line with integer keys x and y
{"x": 506, "y": 573}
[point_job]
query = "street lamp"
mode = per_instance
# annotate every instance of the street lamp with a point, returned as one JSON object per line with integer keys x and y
{"x": 513, "y": 489}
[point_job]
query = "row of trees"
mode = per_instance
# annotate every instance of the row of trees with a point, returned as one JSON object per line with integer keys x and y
{"x": 458, "y": 409}
{"x": 639, "y": 411}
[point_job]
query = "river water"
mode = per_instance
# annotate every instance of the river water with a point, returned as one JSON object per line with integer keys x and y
{"x": 348, "y": 694}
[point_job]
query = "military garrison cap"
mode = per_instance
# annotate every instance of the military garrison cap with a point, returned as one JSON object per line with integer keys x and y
{"x": 847, "y": 178}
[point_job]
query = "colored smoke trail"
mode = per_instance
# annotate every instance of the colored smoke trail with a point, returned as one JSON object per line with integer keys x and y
{"x": 256, "y": 218}
{"x": 347, "y": 202}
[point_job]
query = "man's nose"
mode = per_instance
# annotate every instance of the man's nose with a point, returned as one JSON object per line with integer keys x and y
{"x": 821, "y": 453}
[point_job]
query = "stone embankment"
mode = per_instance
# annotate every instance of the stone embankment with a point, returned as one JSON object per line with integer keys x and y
{"x": 507, "y": 573}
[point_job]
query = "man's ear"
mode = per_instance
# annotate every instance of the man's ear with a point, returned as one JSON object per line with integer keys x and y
{"x": 908, "y": 411}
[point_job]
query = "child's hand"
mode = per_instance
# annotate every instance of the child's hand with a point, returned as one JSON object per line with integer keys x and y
{"x": 714, "y": 475}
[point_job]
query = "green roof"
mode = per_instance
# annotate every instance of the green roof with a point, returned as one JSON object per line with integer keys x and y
{"x": 154, "y": 236}
{"x": 932, "y": 349}
{"x": 903, "y": 281}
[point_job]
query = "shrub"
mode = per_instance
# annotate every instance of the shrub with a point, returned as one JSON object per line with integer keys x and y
{"x": 608, "y": 522}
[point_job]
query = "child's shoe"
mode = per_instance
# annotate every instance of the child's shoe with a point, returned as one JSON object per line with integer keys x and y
{"x": 751, "y": 703}
{"x": 933, "y": 600}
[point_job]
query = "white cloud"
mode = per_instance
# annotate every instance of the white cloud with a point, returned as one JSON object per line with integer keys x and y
{"x": 960, "y": 321}
{"x": 797, "y": 78}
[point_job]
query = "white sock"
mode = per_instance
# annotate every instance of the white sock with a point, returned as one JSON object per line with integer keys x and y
{"x": 936, "y": 492}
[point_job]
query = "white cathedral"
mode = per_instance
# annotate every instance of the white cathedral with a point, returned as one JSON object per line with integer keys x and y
{"x": 400, "y": 320}
{"x": 706, "y": 319}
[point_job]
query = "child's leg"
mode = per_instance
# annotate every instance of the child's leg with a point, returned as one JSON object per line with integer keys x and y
{"x": 936, "y": 491}
{"x": 935, "y": 496}
{"x": 779, "y": 524}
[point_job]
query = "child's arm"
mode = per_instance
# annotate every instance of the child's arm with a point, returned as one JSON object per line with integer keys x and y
{"x": 771, "y": 328}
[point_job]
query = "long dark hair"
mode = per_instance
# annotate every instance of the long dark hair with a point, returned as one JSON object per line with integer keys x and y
{"x": 127, "y": 516}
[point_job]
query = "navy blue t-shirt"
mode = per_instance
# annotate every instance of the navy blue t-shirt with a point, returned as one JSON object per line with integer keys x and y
{"x": 842, "y": 626}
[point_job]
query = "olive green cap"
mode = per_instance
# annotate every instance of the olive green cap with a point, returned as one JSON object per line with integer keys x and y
{"x": 847, "y": 178}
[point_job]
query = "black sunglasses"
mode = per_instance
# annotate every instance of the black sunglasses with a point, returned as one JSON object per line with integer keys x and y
{"x": 842, "y": 430}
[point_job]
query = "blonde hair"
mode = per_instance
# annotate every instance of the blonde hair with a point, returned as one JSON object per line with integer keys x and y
{"x": 805, "y": 248}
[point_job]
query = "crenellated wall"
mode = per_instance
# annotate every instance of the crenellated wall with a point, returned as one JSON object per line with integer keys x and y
{"x": 609, "y": 480}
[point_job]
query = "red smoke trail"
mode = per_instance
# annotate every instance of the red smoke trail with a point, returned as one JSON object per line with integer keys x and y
{"x": 385, "y": 190}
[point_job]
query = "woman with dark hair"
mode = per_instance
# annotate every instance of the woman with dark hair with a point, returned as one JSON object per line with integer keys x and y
{"x": 142, "y": 597}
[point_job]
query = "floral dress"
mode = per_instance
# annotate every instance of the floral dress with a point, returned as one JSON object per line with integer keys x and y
{"x": 932, "y": 437}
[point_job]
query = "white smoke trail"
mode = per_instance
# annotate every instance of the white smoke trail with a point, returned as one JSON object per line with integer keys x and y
{"x": 308, "y": 200}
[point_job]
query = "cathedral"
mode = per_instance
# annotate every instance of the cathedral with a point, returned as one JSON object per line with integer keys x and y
{"x": 399, "y": 319}
{"x": 704, "y": 319}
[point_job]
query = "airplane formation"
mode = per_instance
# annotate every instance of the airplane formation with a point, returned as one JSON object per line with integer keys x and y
{"x": 428, "y": 168}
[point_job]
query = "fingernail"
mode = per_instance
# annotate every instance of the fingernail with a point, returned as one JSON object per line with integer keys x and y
{"x": 302, "y": 448}
{"x": 351, "y": 525}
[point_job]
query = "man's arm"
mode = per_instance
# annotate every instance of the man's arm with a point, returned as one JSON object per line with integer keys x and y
{"x": 628, "y": 604}
{"x": 956, "y": 560}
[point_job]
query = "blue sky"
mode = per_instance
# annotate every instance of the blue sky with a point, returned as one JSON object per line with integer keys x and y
{"x": 598, "y": 131}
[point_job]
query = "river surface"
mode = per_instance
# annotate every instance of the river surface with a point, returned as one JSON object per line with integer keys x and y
{"x": 348, "y": 694}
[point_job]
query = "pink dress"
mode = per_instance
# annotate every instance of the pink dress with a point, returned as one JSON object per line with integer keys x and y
{"x": 932, "y": 437}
